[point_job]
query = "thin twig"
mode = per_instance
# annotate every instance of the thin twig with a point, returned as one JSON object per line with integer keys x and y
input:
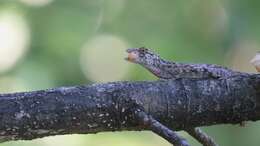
{"x": 202, "y": 137}
{"x": 150, "y": 123}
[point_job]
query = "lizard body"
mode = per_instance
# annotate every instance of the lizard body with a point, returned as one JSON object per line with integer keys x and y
{"x": 164, "y": 69}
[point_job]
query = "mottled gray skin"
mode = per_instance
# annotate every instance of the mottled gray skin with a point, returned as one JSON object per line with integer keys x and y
{"x": 171, "y": 70}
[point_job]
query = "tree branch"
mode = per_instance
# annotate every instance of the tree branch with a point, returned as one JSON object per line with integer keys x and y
{"x": 176, "y": 104}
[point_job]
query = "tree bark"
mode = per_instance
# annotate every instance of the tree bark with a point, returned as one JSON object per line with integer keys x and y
{"x": 178, "y": 104}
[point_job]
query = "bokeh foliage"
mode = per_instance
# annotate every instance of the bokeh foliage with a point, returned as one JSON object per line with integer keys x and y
{"x": 65, "y": 36}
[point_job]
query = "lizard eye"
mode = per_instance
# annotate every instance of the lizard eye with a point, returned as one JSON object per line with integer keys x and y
{"x": 143, "y": 49}
{"x": 142, "y": 52}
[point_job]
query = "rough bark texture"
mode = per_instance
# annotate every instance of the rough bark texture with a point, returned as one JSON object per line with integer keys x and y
{"x": 177, "y": 104}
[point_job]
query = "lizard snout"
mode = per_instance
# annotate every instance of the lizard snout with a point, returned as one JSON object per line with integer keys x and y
{"x": 131, "y": 57}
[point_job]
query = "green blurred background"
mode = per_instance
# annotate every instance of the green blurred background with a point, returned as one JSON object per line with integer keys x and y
{"x": 51, "y": 43}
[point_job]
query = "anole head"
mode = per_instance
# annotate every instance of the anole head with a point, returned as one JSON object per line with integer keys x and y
{"x": 142, "y": 56}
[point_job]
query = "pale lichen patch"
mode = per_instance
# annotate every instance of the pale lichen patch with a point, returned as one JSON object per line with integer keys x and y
{"x": 22, "y": 114}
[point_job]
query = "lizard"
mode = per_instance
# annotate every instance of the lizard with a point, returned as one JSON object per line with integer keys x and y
{"x": 165, "y": 69}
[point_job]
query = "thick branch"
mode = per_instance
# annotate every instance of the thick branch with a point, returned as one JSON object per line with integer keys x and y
{"x": 177, "y": 104}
